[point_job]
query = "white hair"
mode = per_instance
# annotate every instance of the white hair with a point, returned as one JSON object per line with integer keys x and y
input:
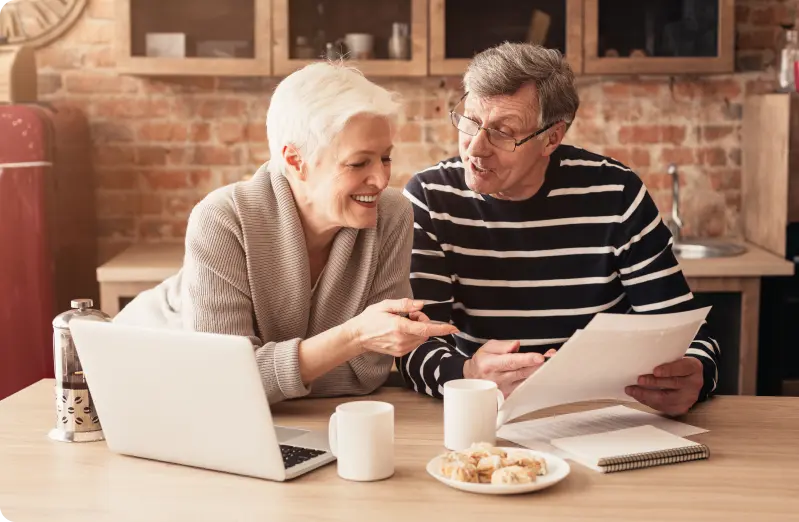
{"x": 311, "y": 105}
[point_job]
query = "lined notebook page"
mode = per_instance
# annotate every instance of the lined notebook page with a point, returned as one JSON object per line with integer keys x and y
{"x": 646, "y": 445}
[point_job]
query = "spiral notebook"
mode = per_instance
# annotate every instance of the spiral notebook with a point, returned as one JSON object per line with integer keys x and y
{"x": 631, "y": 448}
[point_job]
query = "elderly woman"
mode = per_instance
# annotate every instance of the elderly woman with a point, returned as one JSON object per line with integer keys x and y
{"x": 309, "y": 258}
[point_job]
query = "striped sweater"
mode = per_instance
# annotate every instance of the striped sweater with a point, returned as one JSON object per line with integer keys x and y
{"x": 590, "y": 240}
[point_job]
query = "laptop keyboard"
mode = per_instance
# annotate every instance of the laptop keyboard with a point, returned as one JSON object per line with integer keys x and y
{"x": 293, "y": 455}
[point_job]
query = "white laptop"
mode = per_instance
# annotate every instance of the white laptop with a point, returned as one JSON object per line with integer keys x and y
{"x": 190, "y": 398}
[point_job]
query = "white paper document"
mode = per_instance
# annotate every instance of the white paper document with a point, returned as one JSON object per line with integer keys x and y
{"x": 599, "y": 361}
{"x": 538, "y": 434}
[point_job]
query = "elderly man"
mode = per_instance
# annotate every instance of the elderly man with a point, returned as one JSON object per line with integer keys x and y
{"x": 521, "y": 240}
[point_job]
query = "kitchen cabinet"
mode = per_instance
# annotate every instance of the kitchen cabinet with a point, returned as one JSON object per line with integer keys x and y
{"x": 658, "y": 36}
{"x": 303, "y": 28}
{"x": 461, "y": 28}
{"x": 194, "y": 37}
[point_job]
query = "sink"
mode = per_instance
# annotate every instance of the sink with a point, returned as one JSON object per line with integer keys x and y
{"x": 704, "y": 248}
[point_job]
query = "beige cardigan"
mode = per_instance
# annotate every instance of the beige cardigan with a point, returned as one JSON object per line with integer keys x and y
{"x": 246, "y": 273}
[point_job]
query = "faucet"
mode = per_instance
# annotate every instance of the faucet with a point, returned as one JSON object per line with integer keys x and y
{"x": 675, "y": 223}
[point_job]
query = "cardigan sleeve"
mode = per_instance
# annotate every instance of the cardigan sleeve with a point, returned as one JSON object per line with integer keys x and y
{"x": 216, "y": 297}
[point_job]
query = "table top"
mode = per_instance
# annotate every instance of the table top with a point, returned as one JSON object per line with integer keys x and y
{"x": 154, "y": 262}
{"x": 753, "y": 467}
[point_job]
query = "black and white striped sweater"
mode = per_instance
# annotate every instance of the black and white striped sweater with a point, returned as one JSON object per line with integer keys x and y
{"x": 590, "y": 240}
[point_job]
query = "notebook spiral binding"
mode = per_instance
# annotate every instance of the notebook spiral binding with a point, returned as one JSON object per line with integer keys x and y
{"x": 655, "y": 458}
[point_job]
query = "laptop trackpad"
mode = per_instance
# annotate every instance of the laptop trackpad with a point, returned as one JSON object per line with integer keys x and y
{"x": 286, "y": 434}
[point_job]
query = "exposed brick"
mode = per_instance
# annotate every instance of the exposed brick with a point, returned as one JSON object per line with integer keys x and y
{"x": 200, "y": 132}
{"x": 202, "y": 179}
{"x": 713, "y": 133}
{"x": 58, "y": 57}
{"x": 589, "y": 132}
{"x": 741, "y": 13}
{"x": 765, "y": 38}
{"x": 410, "y": 132}
{"x": 440, "y": 132}
{"x": 112, "y": 155}
{"x": 672, "y": 134}
{"x": 164, "y": 131}
{"x": 256, "y": 132}
{"x": 213, "y": 155}
{"x": 151, "y": 156}
{"x": 633, "y": 158}
{"x": 102, "y": 57}
{"x": 111, "y": 132}
{"x": 117, "y": 179}
{"x": 224, "y": 108}
{"x": 677, "y": 156}
{"x": 117, "y": 205}
{"x": 166, "y": 179}
{"x": 85, "y": 83}
{"x": 774, "y": 14}
{"x": 230, "y": 132}
{"x": 656, "y": 181}
{"x": 258, "y": 153}
{"x": 132, "y": 108}
{"x": 180, "y": 204}
{"x": 160, "y": 228}
{"x": 714, "y": 157}
{"x": 735, "y": 155}
{"x": 152, "y": 204}
{"x": 116, "y": 228}
{"x": 180, "y": 85}
{"x": 629, "y": 111}
{"x": 725, "y": 179}
{"x": 761, "y": 86}
{"x": 93, "y": 32}
{"x": 48, "y": 84}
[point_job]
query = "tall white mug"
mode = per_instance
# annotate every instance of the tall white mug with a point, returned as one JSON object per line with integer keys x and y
{"x": 362, "y": 439}
{"x": 470, "y": 412}
{"x": 360, "y": 45}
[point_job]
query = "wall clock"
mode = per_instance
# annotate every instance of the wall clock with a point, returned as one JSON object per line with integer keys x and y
{"x": 37, "y": 22}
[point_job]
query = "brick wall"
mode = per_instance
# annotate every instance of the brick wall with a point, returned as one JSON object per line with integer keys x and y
{"x": 161, "y": 145}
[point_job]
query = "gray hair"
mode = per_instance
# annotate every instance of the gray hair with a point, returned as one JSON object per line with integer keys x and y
{"x": 504, "y": 69}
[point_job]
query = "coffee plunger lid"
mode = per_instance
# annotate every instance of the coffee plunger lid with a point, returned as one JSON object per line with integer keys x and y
{"x": 81, "y": 308}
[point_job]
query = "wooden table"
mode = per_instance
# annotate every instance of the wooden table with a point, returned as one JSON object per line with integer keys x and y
{"x": 753, "y": 473}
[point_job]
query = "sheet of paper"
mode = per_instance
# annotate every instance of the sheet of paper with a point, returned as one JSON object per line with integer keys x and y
{"x": 590, "y": 449}
{"x": 538, "y": 434}
{"x": 598, "y": 364}
{"x": 617, "y": 322}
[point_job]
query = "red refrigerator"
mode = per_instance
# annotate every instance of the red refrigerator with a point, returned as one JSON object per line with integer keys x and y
{"x": 48, "y": 241}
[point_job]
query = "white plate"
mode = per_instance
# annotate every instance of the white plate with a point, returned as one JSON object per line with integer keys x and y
{"x": 557, "y": 470}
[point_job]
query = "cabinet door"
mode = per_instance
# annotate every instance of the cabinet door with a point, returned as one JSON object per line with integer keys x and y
{"x": 378, "y": 38}
{"x": 194, "y": 37}
{"x": 459, "y": 29}
{"x": 659, "y": 36}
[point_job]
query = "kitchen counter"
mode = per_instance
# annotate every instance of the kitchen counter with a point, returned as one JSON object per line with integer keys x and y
{"x": 143, "y": 266}
{"x": 755, "y": 262}
{"x": 153, "y": 262}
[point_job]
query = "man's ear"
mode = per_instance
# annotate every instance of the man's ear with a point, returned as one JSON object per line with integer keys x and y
{"x": 294, "y": 160}
{"x": 554, "y": 137}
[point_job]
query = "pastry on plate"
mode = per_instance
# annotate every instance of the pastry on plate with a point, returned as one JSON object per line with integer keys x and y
{"x": 511, "y": 475}
{"x": 536, "y": 464}
{"x": 459, "y": 470}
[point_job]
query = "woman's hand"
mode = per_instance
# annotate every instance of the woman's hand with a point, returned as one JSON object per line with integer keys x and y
{"x": 380, "y": 328}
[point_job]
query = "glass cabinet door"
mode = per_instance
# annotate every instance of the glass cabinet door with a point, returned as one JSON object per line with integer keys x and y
{"x": 379, "y": 38}
{"x": 459, "y": 29}
{"x": 659, "y": 36}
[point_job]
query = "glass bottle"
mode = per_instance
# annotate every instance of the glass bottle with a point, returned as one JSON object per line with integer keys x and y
{"x": 788, "y": 56}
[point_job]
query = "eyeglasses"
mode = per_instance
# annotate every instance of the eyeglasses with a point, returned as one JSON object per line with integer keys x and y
{"x": 496, "y": 138}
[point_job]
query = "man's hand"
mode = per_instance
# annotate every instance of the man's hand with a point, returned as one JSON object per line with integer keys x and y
{"x": 672, "y": 388}
{"x": 499, "y": 361}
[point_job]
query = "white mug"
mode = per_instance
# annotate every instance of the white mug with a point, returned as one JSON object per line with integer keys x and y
{"x": 360, "y": 45}
{"x": 362, "y": 439}
{"x": 470, "y": 412}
